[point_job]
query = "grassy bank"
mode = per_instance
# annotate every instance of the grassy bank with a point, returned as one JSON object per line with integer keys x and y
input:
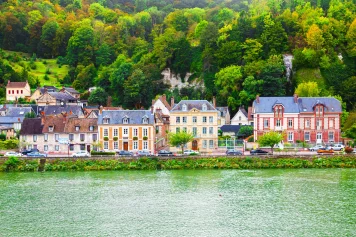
{"x": 14, "y": 164}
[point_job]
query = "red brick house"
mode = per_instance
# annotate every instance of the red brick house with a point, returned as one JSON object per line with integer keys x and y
{"x": 309, "y": 119}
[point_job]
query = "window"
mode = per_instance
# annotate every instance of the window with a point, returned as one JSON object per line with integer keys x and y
{"x": 106, "y": 120}
{"x": 95, "y": 137}
{"x": 116, "y": 145}
{"x": 91, "y": 128}
{"x": 56, "y": 137}
{"x": 317, "y": 109}
{"x": 145, "y": 145}
{"x": 331, "y": 136}
{"x": 45, "y": 148}
{"x": 71, "y": 147}
{"x": 82, "y": 137}
{"x": 115, "y": 132}
{"x": 290, "y": 123}
{"x": 204, "y": 107}
{"x": 145, "y": 132}
{"x": 17, "y": 91}
{"x": 211, "y": 119}
{"x": 204, "y": 119}
{"x": 35, "y": 138}
{"x": 126, "y": 131}
{"x": 306, "y": 136}
{"x": 177, "y": 130}
{"x": 184, "y": 119}
{"x": 265, "y": 123}
{"x": 13, "y": 92}
{"x": 135, "y": 132}
{"x": 21, "y": 91}
{"x": 77, "y": 128}
{"x": 240, "y": 118}
{"x": 194, "y": 119}
{"x": 205, "y": 143}
{"x": 184, "y": 108}
{"x": 135, "y": 145}
{"x": 177, "y": 119}
{"x": 106, "y": 145}
{"x": 24, "y": 138}
{"x": 9, "y": 92}
{"x": 45, "y": 137}
{"x": 321, "y": 109}
{"x": 50, "y": 128}
{"x": 331, "y": 123}
{"x": 290, "y": 136}
{"x": 184, "y": 129}
{"x": 307, "y": 123}
{"x": 125, "y": 120}
{"x": 82, "y": 147}
{"x": 204, "y": 130}
{"x": 278, "y": 122}
{"x": 56, "y": 147}
{"x": 211, "y": 130}
{"x": 211, "y": 143}
{"x": 195, "y": 131}
{"x": 145, "y": 120}
{"x": 106, "y": 132}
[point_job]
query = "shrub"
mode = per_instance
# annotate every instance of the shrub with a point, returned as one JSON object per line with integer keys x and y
{"x": 135, "y": 138}
{"x": 106, "y": 139}
{"x": 48, "y": 71}
{"x": 2, "y": 136}
{"x": 96, "y": 153}
{"x": 348, "y": 150}
{"x": 116, "y": 138}
{"x": 11, "y": 163}
{"x": 46, "y": 77}
{"x": 44, "y": 62}
{"x": 250, "y": 139}
{"x": 145, "y": 138}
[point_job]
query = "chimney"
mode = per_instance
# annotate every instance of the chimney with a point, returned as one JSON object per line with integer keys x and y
{"x": 43, "y": 117}
{"x": 153, "y": 102}
{"x": 257, "y": 99}
{"x": 172, "y": 101}
{"x": 214, "y": 101}
{"x": 151, "y": 109}
{"x": 295, "y": 98}
{"x": 8, "y": 82}
{"x": 164, "y": 97}
{"x": 101, "y": 109}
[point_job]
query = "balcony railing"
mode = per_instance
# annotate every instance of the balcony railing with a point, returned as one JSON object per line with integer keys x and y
{"x": 278, "y": 128}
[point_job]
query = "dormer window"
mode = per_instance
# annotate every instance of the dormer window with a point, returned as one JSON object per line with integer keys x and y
{"x": 204, "y": 108}
{"x": 91, "y": 128}
{"x": 77, "y": 128}
{"x": 184, "y": 107}
{"x": 50, "y": 128}
{"x": 144, "y": 120}
{"x": 106, "y": 120}
{"x": 125, "y": 120}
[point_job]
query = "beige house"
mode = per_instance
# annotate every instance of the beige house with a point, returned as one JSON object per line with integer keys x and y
{"x": 56, "y": 98}
{"x": 201, "y": 119}
{"x": 16, "y": 90}
{"x": 41, "y": 90}
{"x": 129, "y": 130}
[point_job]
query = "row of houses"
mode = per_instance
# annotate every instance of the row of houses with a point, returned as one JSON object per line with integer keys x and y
{"x": 314, "y": 120}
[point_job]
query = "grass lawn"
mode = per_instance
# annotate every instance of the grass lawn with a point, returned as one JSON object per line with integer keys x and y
{"x": 56, "y": 72}
{"x": 310, "y": 74}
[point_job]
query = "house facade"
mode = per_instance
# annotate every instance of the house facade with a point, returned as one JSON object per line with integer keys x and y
{"x": 16, "y": 90}
{"x": 240, "y": 118}
{"x": 198, "y": 117}
{"x": 56, "y": 98}
{"x": 309, "y": 119}
{"x": 41, "y": 90}
{"x": 129, "y": 130}
{"x": 71, "y": 91}
{"x": 31, "y": 135}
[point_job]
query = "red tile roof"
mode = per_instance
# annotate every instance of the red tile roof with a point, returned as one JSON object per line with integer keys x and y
{"x": 16, "y": 84}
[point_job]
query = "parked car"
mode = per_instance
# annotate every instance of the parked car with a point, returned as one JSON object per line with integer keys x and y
{"x": 259, "y": 152}
{"x": 233, "y": 152}
{"x": 164, "y": 153}
{"x": 354, "y": 150}
{"x": 338, "y": 147}
{"x": 125, "y": 153}
{"x": 25, "y": 152}
{"x": 143, "y": 153}
{"x": 315, "y": 148}
{"x": 325, "y": 150}
{"x": 12, "y": 153}
{"x": 36, "y": 154}
{"x": 81, "y": 154}
{"x": 191, "y": 152}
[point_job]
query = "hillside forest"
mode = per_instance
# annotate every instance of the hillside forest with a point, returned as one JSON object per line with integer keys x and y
{"x": 230, "y": 49}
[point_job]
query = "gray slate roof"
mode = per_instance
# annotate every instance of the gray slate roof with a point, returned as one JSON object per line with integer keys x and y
{"x": 230, "y": 128}
{"x": 49, "y": 89}
{"x": 71, "y": 90}
{"x": 135, "y": 116}
{"x": 62, "y": 96}
{"x": 191, "y": 104}
{"x": 223, "y": 110}
{"x": 18, "y": 111}
{"x": 305, "y": 104}
{"x": 57, "y": 109}
{"x": 10, "y": 120}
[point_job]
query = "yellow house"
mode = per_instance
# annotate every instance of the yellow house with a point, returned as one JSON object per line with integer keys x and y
{"x": 200, "y": 118}
{"x": 16, "y": 90}
{"x": 129, "y": 130}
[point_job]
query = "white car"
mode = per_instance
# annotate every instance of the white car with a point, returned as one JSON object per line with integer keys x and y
{"x": 338, "y": 147}
{"x": 189, "y": 152}
{"x": 81, "y": 154}
{"x": 315, "y": 148}
{"x": 12, "y": 153}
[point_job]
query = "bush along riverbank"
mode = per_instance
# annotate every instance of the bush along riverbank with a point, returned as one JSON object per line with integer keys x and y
{"x": 92, "y": 164}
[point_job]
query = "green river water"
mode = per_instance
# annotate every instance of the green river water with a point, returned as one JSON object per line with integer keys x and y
{"x": 275, "y": 202}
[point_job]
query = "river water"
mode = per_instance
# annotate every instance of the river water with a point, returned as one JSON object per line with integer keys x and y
{"x": 298, "y": 202}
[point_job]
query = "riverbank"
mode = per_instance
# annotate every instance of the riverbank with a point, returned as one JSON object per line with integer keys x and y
{"x": 154, "y": 163}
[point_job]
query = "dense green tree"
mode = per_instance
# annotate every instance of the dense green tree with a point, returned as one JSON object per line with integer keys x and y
{"x": 180, "y": 139}
{"x": 308, "y": 89}
{"x": 104, "y": 55}
{"x": 81, "y": 46}
{"x": 98, "y": 97}
{"x": 270, "y": 139}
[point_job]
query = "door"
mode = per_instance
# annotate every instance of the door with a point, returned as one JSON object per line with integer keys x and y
{"x": 194, "y": 145}
{"x": 88, "y": 148}
{"x": 319, "y": 138}
{"x": 126, "y": 146}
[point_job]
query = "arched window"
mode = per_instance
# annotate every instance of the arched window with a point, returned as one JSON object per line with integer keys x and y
{"x": 184, "y": 107}
{"x": 125, "y": 120}
{"x": 204, "y": 107}
{"x": 145, "y": 120}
